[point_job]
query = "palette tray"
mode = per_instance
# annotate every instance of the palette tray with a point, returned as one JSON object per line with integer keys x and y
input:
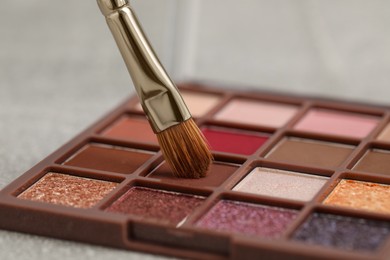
{"x": 293, "y": 177}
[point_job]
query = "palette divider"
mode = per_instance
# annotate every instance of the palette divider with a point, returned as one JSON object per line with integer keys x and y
{"x": 367, "y": 177}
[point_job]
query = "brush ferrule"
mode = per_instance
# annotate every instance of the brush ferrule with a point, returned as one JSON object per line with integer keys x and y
{"x": 159, "y": 97}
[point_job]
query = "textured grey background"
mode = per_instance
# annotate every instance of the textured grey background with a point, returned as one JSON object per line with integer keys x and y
{"x": 60, "y": 70}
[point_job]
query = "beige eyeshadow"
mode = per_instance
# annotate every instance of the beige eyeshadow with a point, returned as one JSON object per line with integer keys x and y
{"x": 198, "y": 103}
{"x": 385, "y": 134}
{"x": 281, "y": 184}
{"x": 68, "y": 190}
{"x": 361, "y": 195}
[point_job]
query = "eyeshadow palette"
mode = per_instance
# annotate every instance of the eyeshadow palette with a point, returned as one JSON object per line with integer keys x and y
{"x": 293, "y": 177}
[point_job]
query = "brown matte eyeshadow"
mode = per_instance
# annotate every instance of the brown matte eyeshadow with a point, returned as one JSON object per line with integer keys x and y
{"x": 131, "y": 128}
{"x": 375, "y": 161}
{"x": 216, "y": 175}
{"x": 68, "y": 190}
{"x": 110, "y": 186}
{"x": 109, "y": 158}
{"x": 310, "y": 152}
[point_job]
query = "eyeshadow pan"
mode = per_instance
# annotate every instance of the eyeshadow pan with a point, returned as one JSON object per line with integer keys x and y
{"x": 164, "y": 206}
{"x": 258, "y": 113}
{"x": 135, "y": 129}
{"x": 198, "y": 103}
{"x": 361, "y": 195}
{"x": 234, "y": 141}
{"x": 310, "y": 152}
{"x": 216, "y": 175}
{"x": 375, "y": 161}
{"x": 281, "y": 184}
{"x": 247, "y": 218}
{"x": 68, "y": 190}
{"x": 348, "y": 233}
{"x": 385, "y": 134}
{"x": 109, "y": 158}
{"x": 339, "y": 123}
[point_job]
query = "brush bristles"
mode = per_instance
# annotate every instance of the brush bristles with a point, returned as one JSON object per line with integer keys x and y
{"x": 185, "y": 149}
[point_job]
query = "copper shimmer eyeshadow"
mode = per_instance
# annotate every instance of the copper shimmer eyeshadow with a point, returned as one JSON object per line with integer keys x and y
{"x": 361, "y": 195}
{"x": 109, "y": 158}
{"x": 248, "y": 219}
{"x": 234, "y": 141}
{"x": 375, "y": 161}
{"x": 385, "y": 134}
{"x": 68, "y": 190}
{"x": 198, "y": 103}
{"x": 332, "y": 122}
{"x": 130, "y": 128}
{"x": 159, "y": 205}
{"x": 348, "y": 233}
{"x": 216, "y": 175}
{"x": 281, "y": 184}
{"x": 260, "y": 113}
{"x": 310, "y": 152}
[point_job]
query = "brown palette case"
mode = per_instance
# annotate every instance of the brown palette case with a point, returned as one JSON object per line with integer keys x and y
{"x": 293, "y": 177}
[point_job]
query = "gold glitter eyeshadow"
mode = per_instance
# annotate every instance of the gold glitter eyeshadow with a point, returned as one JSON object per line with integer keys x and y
{"x": 68, "y": 190}
{"x": 361, "y": 195}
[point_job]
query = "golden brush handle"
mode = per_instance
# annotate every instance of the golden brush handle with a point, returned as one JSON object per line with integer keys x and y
{"x": 158, "y": 95}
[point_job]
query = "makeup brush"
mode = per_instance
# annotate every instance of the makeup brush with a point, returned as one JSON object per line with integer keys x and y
{"x": 182, "y": 143}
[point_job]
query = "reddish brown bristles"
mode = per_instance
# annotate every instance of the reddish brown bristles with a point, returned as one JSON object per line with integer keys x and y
{"x": 185, "y": 149}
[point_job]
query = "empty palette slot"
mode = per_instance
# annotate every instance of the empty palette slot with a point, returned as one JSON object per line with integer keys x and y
{"x": 109, "y": 158}
{"x": 257, "y": 112}
{"x": 216, "y": 175}
{"x": 235, "y": 141}
{"x": 281, "y": 184}
{"x": 199, "y": 103}
{"x": 374, "y": 161}
{"x": 153, "y": 204}
{"x": 131, "y": 128}
{"x": 336, "y": 122}
{"x": 245, "y": 218}
{"x": 68, "y": 190}
{"x": 361, "y": 195}
{"x": 310, "y": 152}
{"x": 343, "y": 232}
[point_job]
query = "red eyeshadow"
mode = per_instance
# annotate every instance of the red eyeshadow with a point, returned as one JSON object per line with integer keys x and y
{"x": 223, "y": 140}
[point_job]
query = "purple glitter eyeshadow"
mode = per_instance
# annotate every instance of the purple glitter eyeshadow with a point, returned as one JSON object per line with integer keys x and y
{"x": 248, "y": 219}
{"x": 343, "y": 232}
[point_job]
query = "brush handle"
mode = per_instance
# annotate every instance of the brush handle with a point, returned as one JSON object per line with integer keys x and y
{"x": 158, "y": 95}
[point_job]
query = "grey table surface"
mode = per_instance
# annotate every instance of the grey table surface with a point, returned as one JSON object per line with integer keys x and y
{"x": 60, "y": 71}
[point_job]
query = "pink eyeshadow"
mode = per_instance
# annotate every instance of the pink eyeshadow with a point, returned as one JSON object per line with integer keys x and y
{"x": 160, "y": 205}
{"x": 248, "y": 219}
{"x": 258, "y": 113}
{"x": 224, "y": 140}
{"x": 344, "y": 124}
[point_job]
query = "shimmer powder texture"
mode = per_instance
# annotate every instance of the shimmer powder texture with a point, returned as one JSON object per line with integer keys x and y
{"x": 281, "y": 184}
{"x": 339, "y": 123}
{"x": 247, "y": 219}
{"x": 258, "y": 113}
{"x": 159, "y": 205}
{"x": 135, "y": 129}
{"x": 68, "y": 190}
{"x": 224, "y": 140}
{"x": 343, "y": 232}
{"x": 361, "y": 195}
{"x": 376, "y": 161}
{"x": 310, "y": 152}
